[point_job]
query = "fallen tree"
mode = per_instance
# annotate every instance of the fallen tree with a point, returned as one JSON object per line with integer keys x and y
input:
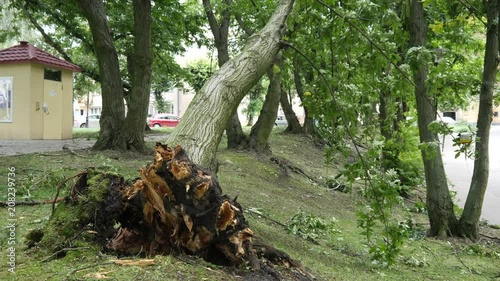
{"x": 174, "y": 207}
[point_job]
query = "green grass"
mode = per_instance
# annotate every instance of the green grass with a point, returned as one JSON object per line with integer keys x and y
{"x": 262, "y": 187}
{"x": 93, "y": 133}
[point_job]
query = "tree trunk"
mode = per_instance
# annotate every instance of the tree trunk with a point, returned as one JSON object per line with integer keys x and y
{"x": 439, "y": 204}
{"x": 291, "y": 118}
{"x": 308, "y": 127}
{"x": 113, "y": 108}
{"x": 469, "y": 222}
{"x": 141, "y": 72}
{"x": 203, "y": 124}
{"x": 234, "y": 131}
{"x": 261, "y": 131}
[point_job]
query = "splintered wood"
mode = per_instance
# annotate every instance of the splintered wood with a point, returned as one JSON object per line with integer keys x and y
{"x": 176, "y": 206}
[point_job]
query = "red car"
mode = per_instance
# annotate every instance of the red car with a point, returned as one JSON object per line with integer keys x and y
{"x": 164, "y": 120}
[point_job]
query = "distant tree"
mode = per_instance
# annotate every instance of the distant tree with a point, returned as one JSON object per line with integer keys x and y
{"x": 198, "y": 73}
{"x": 73, "y": 40}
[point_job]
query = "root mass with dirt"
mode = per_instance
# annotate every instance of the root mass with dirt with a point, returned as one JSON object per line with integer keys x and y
{"x": 174, "y": 207}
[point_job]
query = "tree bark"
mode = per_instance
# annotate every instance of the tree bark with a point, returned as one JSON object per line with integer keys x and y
{"x": 469, "y": 221}
{"x": 141, "y": 72}
{"x": 291, "y": 118}
{"x": 261, "y": 131}
{"x": 113, "y": 108}
{"x": 443, "y": 221}
{"x": 201, "y": 128}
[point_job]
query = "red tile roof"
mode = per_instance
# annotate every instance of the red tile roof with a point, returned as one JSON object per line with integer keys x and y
{"x": 25, "y": 52}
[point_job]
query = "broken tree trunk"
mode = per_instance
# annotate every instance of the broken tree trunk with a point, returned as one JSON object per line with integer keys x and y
{"x": 175, "y": 206}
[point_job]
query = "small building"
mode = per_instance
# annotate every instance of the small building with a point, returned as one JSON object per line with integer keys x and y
{"x": 36, "y": 94}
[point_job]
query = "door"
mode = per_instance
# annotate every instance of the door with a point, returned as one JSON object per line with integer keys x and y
{"x": 52, "y": 110}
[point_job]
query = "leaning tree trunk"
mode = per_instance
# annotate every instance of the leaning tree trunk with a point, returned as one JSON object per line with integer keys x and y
{"x": 141, "y": 71}
{"x": 439, "y": 203}
{"x": 258, "y": 139}
{"x": 113, "y": 108}
{"x": 202, "y": 126}
{"x": 469, "y": 222}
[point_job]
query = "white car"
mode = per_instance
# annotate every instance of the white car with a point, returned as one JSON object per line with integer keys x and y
{"x": 448, "y": 121}
{"x": 81, "y": 121}
{"x": 280, "y": 121}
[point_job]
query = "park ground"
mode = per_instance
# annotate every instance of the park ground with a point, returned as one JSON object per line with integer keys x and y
{"x": 273, "y": 196}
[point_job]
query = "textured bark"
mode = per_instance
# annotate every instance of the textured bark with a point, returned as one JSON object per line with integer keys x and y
{"x": 442, "y": 220}
{"x": 258, "y": 139}
{"x": 469, "y": 221}
{"x": 235, "y": 136}
{"x": 113, "y": 108}
{"x": 291, "y": 118}
{"x": 140, "y": 73}
{"x": 201, "y": 128}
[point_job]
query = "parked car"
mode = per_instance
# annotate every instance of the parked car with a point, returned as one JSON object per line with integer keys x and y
{"x": 164, "y": 120}
{"x": 280, "y": 121}
{"x": 81, "y": 121}
{"x": 448, "y": 121}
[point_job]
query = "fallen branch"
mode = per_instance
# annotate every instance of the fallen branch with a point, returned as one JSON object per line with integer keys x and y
{"x": 286, "y": 165}
{"x": 63, "y": 251}
{"x": 88, "y": 266}
{"x": 61, "y": 185}
{"x": 30, "y": 203}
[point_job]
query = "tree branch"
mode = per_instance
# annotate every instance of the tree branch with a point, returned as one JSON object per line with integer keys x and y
{"x": 212, "y": 21}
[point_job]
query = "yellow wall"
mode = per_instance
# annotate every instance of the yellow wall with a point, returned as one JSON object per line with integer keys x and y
{"x": 36, "y": 110}
{"x": 67, "y": 110}
{"x": 19, "y": 128}
{"x": 28, "y": 99}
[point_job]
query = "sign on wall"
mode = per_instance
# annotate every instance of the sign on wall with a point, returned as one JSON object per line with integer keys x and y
{"x": 6, "y": 99}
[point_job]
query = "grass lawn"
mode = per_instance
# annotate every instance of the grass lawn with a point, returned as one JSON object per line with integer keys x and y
{"x": 271, "y": 196}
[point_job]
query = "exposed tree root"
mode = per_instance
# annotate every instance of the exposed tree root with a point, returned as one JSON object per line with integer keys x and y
{"x": 174, "y": 207}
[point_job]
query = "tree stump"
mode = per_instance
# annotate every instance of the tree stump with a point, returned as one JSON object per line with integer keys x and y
{"x": 175, "y": 206}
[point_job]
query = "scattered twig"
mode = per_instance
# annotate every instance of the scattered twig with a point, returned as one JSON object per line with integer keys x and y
{"x": 490, "y": 237}
{"x": 73, "y": 152}
{"x": 61, "y": 185}
{"x": 88, "y": 266}
{"x": 46, "y": 154}
{"x": 285, "y": 165}
{"x": 266, "y": 217}
{"x": 63, "y": 250}
{"x": 31, "y": 203}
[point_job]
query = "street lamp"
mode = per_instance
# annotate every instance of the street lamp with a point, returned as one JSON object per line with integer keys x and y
{"x": 439, "y": 54}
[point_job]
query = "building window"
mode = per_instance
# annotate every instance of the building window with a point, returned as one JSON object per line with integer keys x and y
{"x": 169, "y": 108}
{"x": 495, "y": 114}
{"x": 6, "y": 99}
{"x": 52, "y": 74}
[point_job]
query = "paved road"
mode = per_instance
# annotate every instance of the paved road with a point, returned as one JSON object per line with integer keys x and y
{"x": 459, "y": 172}
{"x": 13, "y": 147}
